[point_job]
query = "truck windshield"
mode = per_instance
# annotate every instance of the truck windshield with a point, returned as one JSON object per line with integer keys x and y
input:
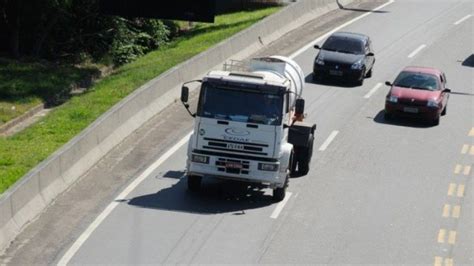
{"x": 240, "y": 105}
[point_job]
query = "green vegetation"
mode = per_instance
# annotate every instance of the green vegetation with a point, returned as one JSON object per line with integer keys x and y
{"x": 22, "y": 152}
{"x": 24, "y": 85}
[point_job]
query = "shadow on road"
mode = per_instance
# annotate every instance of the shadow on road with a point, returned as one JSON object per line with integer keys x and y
{"x": 174, "y": 174}
{"x": 360, "y": 10}
{"x": 327, "y": 81}
{"x": 365, "y": 10}
{"x": 216, "y": 196}
{"x": 461, "y": 93}
{"x": 469, "y": 62}
{"x": 401, "y": 121}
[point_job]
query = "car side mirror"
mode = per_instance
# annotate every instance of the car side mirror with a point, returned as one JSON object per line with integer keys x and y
{"x": 388, "y": 83}
{"x": 184, "y": 94}
{"x": 447, "y": 90}
{"x": 299, "y": 107}
{"x": 370, "y": 54}
{"x": 316, "y": 46}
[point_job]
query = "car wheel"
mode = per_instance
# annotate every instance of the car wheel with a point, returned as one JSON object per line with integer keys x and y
{"x": 387, "y": 116}
{"x": 369, "y": 74}
{"x": 444, "y": 110}
{"x": 435, "y": 121}
{"x": 194, "y": 183}
{"x": 360, "y": 81}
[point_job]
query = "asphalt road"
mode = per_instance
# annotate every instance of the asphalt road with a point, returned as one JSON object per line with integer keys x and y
{"x": 379, "y": 192}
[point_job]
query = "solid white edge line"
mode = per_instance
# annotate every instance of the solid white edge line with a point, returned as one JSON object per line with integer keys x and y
{"x": 324, "y": 36}
{"x": 85, "y": 235}
{"x": 328, "y": 140}
{"x": 462, "y": 20}
{"x": 280, "y": 206}
{"x": 417, "y": 50}
{"x": 373, "y": 90}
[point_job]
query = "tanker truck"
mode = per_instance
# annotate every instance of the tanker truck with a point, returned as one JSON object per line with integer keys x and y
{"x": 249, "y": 125}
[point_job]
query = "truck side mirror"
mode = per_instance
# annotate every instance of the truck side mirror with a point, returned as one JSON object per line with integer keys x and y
{"x": 184, "y": 94}
{"x": 299, "y": 107}
{"x": 316, "y": 46}
{"x": 388, "y": 83}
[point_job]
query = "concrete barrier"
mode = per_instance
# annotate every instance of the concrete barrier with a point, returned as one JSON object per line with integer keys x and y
{"x": 36, "y": 190}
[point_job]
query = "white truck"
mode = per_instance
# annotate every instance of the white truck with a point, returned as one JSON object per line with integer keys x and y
{"x": 249, "y": 125}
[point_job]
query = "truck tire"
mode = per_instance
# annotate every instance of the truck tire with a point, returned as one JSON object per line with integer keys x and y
{"x": 280, "y": 192}
{"x": 293, "y": 163}
{"x": 305, "y": 157}
{"x": 194, "y": 183}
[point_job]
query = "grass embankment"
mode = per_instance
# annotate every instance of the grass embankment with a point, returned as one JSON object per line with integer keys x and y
{"x": 20, "y": 153}
{"x": 24, "y": 85}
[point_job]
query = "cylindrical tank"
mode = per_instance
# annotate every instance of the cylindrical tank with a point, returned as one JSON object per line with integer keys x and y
{"x": 284, "y": 66}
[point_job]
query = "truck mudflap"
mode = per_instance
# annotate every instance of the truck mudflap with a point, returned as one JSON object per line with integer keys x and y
{"x": 301, "y": 135}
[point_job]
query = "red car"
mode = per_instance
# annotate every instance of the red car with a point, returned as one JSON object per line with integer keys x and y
{"x": 418, "y": 91}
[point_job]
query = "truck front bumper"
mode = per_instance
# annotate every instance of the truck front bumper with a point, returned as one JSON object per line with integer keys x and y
{"x": 241, "y": 169}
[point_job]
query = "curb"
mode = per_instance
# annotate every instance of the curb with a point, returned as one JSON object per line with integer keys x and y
{"x": 8, "y": 125}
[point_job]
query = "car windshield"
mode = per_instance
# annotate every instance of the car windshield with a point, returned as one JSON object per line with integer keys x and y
{"x": 241, "y": 106}
{"x": 343, "y": 45}
{"x": 414, "y": 80}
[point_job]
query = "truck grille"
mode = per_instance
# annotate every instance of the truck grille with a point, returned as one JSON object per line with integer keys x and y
{"x": 340, "y": 66}
{"x": 235, "y": 146}
{"x": 222, "y": 163}
{"x": 410, "y": 102}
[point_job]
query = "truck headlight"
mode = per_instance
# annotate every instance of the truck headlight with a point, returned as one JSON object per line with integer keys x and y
{"x": 268, "y": 167}
{"x": 432, "y": 103}
{"x": 200, "y": 158}
{"x": 392, "y": 99}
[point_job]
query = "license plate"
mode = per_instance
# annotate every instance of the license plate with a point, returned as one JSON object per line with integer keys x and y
{"x": 335, "y": 72}
{"x": 233, "y": 165}
{"x": 235, "y": 146}
{"x": 410, "y": 110}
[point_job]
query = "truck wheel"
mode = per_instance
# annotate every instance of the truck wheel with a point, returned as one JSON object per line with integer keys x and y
{"x": 305, "y": 157}
{"x": 280, "y": 192}
{"x": 194, "y": 183}
{"x": 293, "y": 163}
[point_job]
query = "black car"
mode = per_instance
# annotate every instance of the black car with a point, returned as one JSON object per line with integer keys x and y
{"x": 345, "y": 55}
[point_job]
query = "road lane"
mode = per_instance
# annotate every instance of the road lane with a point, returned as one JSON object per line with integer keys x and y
{"x": 379, "y": 194}
{"x": 369, "y": 201}
{"x": 375, "y": 195}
